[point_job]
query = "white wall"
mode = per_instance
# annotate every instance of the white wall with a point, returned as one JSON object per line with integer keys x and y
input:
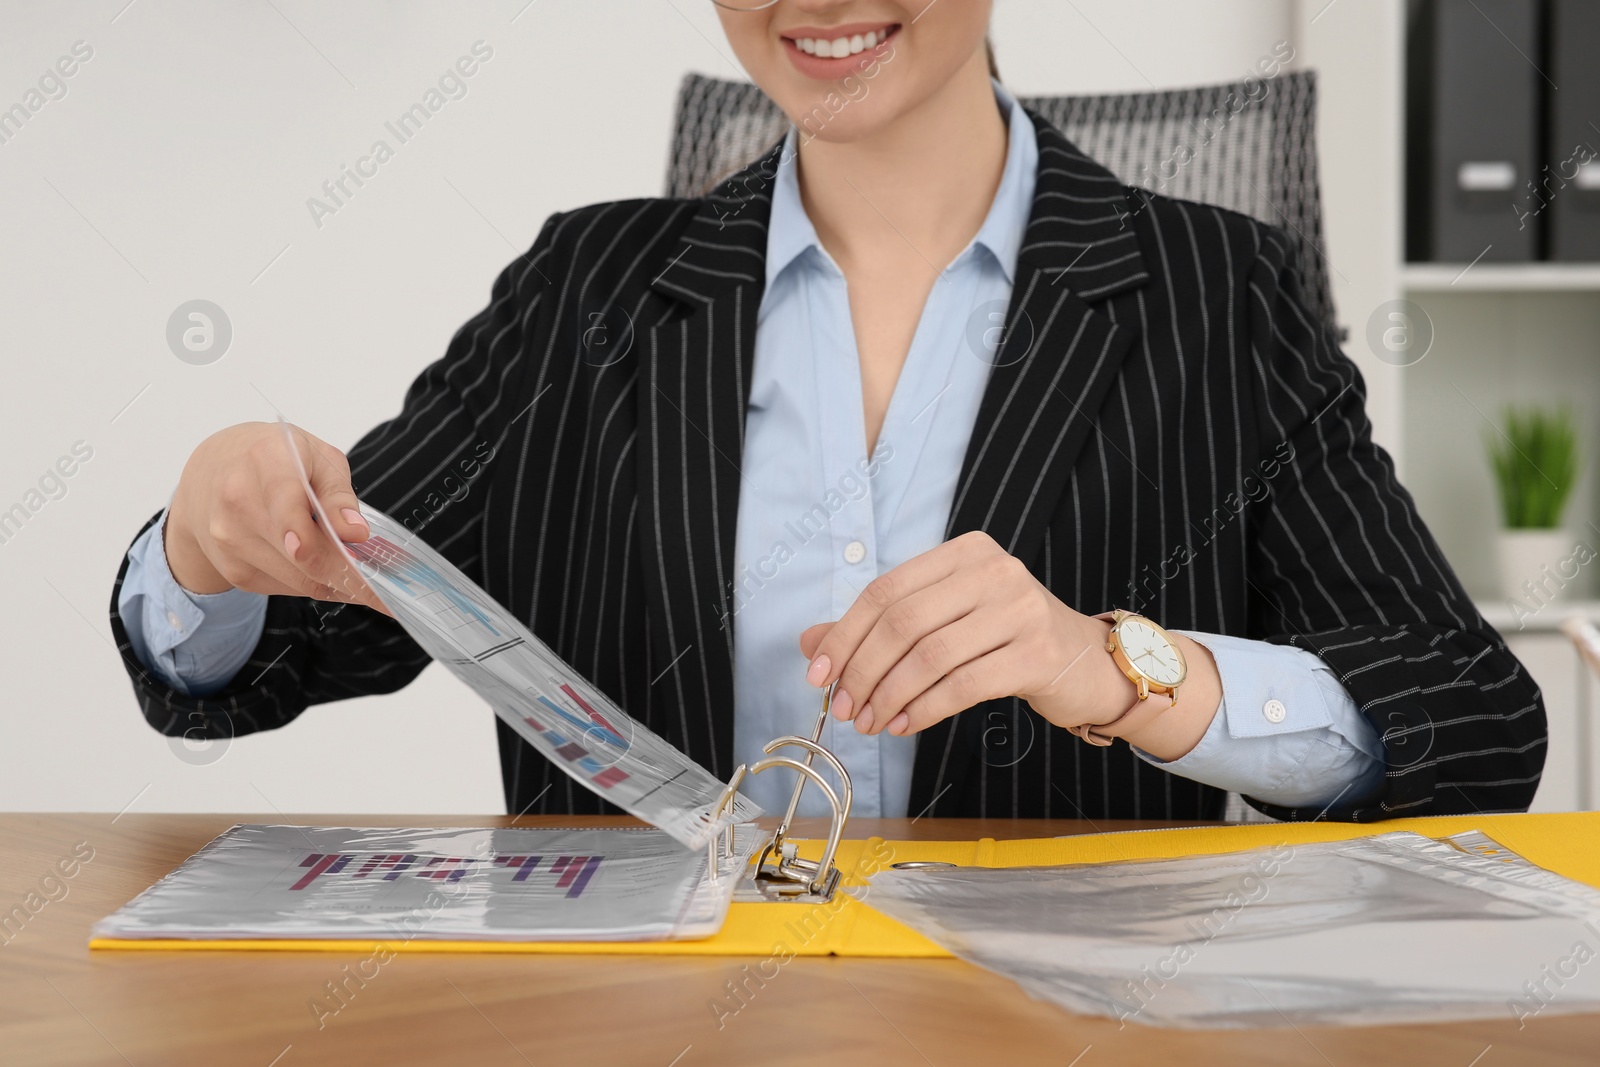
{"x": 177, "y": 167}
{"x": 1355, "y": 47}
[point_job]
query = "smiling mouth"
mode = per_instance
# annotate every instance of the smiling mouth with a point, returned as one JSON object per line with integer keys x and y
{"x": 843, "y": 47}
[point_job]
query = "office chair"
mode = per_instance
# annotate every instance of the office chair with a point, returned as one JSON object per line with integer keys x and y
{"x": 1255, "y": 154}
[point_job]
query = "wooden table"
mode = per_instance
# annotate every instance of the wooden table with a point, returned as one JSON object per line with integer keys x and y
{"x": 60, "y": 1003}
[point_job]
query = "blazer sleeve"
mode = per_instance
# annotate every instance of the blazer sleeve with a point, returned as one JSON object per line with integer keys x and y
{"x": 1343, "y": 567}
{"x": 428, "y": 468}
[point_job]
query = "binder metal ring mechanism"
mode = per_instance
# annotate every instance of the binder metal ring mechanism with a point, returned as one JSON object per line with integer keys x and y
{"x": 779, "y": 874}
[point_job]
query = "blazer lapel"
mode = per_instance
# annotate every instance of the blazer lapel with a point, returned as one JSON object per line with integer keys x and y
{"x": 694, "y": 384}
{"x": 1055, "y": 365}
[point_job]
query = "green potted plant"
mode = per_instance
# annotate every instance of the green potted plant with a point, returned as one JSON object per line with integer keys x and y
{"x": 1535, "y": 461}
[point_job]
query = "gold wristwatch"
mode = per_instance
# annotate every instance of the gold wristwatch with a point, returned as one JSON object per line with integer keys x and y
{"x": 1150, "y": 658}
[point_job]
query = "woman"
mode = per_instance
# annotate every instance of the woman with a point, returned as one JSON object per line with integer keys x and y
{"x": 686, "y": 434}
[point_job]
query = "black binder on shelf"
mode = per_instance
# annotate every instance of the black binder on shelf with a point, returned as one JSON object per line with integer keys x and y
{"x": 1474, "y": 101}
{"x": 1570, "y": 185}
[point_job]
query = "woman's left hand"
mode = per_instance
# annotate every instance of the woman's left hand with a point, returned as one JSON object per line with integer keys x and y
{"x": 963, "y": 623}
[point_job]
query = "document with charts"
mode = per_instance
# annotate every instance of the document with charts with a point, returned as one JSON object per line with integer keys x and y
{"x": 548, "y": 703}
{"x": 441, "y": 884}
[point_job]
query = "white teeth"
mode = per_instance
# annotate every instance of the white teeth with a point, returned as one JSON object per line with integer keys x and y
{"x": 840, "y": 47}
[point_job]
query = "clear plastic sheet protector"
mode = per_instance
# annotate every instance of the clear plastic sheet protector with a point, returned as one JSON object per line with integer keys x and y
{"x": 448, "y": 884}
{"x": 1393, "y": 928}
{"x": 548, "y": 703}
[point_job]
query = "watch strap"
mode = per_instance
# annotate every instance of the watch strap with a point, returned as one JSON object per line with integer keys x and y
{"x": 1135, "y": 718}
{"x": 1138, "y": 716}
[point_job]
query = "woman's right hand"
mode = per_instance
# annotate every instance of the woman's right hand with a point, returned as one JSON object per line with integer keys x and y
{"x": 240, "y": 518}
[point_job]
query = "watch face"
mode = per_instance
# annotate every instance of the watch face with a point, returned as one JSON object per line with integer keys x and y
{"x": 1150, "y": 652}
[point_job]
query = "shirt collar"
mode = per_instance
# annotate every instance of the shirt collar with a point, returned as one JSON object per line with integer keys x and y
{"x": 790, "y": 233}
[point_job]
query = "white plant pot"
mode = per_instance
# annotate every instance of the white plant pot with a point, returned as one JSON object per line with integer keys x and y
{"x": 1542, "y": 567}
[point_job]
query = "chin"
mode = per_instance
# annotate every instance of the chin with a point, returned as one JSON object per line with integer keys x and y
{"x": 857, "y": 120}
{"x": 853, "y": 108}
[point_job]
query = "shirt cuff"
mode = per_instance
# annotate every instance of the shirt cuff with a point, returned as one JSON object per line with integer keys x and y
{"x": 1286, "y": 731}
{"x": 195, "y": 642}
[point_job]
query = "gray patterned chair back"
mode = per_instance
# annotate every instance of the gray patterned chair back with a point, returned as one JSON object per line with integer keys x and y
{"x": 1251, "y": 148}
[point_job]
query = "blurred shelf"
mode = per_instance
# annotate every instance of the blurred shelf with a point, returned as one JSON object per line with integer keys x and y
{"x": 1500, "y": 614}
{"x": 1502, "y": 277}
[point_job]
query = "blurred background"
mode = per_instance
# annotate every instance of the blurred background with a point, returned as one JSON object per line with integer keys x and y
{"x": 160, "y": 153}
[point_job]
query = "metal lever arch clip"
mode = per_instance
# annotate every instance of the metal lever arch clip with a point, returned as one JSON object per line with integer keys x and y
{"x": 779, "y": 873}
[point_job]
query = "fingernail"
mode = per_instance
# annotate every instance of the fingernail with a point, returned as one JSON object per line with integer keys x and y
{"x": 353, "y": 517}
{"x": 291, "y": 543}
{"x": 818, "y": 670}
{"x": 841, "y": 705}
{"x": 864, "y": 720}
{"x": 899, "y": 724}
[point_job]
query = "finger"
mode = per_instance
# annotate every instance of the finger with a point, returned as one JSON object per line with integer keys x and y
{"x": 932, "y": 659}
{"x": 244, "y": 543}
{"x": 329, "y": 475}
{"x": 343, "y": 581}
{"x": 350, "y": 585}
{"x": 328, "y": 471}
{"x": 811, "y": 637}
{"x": 985, "y": 678}
{"x": 250, "y": 561}
{"x": 885, "y": 590}
{"x": 309, "y": 549}
{"x": 901, "y": 627}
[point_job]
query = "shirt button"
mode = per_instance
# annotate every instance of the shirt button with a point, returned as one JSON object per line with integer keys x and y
{"x": 1274, "y": 711}
{"x": 177, "y": 624}
{"x": 855, "y": 552}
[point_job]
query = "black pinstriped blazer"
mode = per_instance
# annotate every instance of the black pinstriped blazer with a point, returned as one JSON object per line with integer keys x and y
{"x": 1166, "y": 429}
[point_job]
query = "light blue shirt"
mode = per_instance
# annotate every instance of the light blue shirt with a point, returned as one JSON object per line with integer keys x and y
{"x": 195, "y": 642}
{"x": 819, "y": 518}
